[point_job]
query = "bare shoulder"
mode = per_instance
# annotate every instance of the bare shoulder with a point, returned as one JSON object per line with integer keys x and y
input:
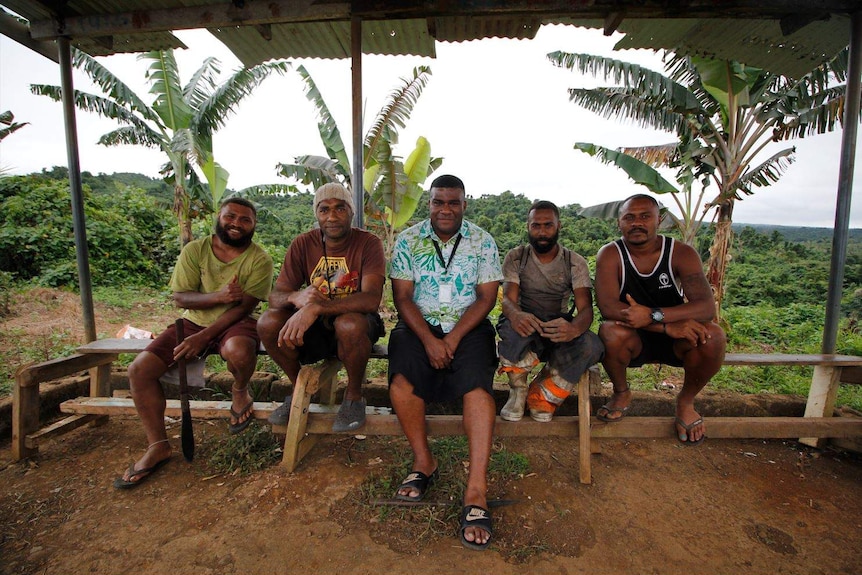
{"x": 685, "y": 256}
{"x": 607, "y": 255}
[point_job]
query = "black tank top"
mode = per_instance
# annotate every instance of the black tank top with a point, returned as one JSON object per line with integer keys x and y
{"x": 658, "y": 288}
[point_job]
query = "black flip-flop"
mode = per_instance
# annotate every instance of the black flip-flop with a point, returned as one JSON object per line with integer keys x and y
{"x": 475, "y": 516}
{"x": 240, "y": 426}
{"x": 120, "y": 483}
{"x": 418, "y": 481}
{"x": 607, "y": 407}
{"x": 687, "y": 428}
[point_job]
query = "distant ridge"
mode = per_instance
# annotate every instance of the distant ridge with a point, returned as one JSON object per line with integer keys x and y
{"x": 798, "y": 233}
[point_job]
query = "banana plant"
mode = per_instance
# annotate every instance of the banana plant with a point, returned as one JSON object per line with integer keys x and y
{"x": 180, "y": 121}
{"x": 392, "y": 187}
{"x": 7, "y": 118}
{"x": 724, "y": 114}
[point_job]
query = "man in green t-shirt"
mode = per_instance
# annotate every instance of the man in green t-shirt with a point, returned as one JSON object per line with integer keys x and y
{"x": 219, "y": 281}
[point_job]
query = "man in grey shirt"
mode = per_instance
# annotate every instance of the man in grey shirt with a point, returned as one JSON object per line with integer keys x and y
{"x": 539, "y": 280}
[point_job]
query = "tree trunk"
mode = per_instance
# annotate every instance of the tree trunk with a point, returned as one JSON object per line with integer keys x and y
{"x": 718, "y": 253}
{"x": 181, "y": 203}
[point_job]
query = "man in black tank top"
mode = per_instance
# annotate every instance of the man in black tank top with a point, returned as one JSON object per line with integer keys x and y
{"x": 658, "y": 308}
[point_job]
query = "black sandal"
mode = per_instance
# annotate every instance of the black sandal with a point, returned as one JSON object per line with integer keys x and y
{"x": 418, "y": 481}
{"x": 609, "y": 409}
{"x": 475, "y": 516}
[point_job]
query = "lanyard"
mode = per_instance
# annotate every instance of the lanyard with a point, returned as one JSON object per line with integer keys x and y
{"x": 326, "y": 265}
{"x": 444, "y": 263}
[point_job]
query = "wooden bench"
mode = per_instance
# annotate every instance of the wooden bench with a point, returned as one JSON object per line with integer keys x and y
{"x": 308, "y": 421}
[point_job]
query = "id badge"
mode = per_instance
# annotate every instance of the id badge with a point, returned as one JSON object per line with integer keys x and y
{"x": 445, "y": 293}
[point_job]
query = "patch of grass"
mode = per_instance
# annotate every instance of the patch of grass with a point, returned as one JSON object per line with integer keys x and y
{"x": 254, "y": 449}
{"x": 508, "y": 463}
{"x": 127, "y": 297}
{"x": 410, "y": 528}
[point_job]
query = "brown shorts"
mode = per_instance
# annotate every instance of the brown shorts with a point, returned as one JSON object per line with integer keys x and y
{"x": 163, "y": 346}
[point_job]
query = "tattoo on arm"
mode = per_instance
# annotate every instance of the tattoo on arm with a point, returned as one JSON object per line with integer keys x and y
{"x": 696, "y": 288}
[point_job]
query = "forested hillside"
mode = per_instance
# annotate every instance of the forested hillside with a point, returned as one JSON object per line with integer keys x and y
{"x": 133, "y": 237}
{"x": 776, "y": 287}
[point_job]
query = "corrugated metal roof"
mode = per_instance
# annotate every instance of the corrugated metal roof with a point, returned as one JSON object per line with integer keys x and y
{"x": 326, "y": 40}
{"x": 118, "y": 43}
{"x": 463, "y": 28}
{"x": 756, "y": 42}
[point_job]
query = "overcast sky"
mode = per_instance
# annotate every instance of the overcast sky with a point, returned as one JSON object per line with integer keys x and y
{"x": 496, "y": 110}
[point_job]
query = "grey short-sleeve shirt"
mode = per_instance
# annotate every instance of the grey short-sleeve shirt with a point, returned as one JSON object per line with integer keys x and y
{"x": 544, "y": 288}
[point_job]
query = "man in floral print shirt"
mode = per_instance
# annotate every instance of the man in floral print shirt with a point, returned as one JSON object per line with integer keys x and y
{"x": 445, "y": 276}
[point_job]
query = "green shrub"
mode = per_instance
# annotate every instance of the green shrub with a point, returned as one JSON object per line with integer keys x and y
{"x": 124, "y": 235}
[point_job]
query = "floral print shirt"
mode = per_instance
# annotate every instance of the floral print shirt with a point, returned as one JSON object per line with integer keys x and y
{"x": 443, "y": 292}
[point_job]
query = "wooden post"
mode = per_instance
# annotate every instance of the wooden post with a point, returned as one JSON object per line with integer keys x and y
{"x": 25, "y": 415}
{"x": 296, "y": 444}
{"x": 584, "y": 427}
{"x": 821, "y": 398}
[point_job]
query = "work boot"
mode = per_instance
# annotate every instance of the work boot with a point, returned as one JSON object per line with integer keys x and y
{"x": 514, "y": 408}
{"x": 544, "y": 396}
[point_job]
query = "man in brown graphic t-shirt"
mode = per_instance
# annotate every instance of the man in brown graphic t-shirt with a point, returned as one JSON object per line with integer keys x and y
{"x": 325, "y": 300}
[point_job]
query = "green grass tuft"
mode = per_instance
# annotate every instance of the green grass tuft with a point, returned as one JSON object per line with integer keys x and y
{"x": 254, "y": 449}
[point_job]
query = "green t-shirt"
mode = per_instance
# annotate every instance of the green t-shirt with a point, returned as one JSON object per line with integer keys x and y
{"x": 199, "y": 270}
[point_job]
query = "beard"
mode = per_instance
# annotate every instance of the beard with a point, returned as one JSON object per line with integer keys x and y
{"x": 239, "y": 242}
{"x": 543, "y": 246}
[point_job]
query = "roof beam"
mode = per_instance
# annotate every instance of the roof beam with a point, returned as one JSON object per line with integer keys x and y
{"x": 612, "y": 22}
{"x": 11, "y": 27}
{"x": 215, "y": 15}
{"x": 225, "y": 13}
{"x": 791, "y": 23}
{"x": 763, "y": 9}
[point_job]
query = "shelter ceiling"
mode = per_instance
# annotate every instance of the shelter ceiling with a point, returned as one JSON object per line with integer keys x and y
{"x": 787, "y": 36}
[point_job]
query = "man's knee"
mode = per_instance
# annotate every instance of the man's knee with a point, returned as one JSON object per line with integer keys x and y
{"x": 478, "y": 394}
{"x": 618, "y": 340}
{"x": 270, "y": 323}
{"x": 351, "y": 328}
{"x": 610, "y": 331}
{"x": 717, "y": 335}
{"x": 239, "y": 351}
{"x": 146, "y": 368}
{"x": 709, "y": 354}
{"x": 398, "y": 384}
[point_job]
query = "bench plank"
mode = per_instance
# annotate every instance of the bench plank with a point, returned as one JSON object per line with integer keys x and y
{"x": 60, "y": 427}
{"x": 762, "y": 359}
{"x": 732, "y": 427}
{"x": 33, "y": 375}
{"x": 115, "y": 345}
{"x": 381, "y": 422}
{"x": 199, "y": 409}
{"x": 120, "y": 345}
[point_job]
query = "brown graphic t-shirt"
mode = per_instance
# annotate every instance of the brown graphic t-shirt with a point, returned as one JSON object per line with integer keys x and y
{"x": 336, "y": 273}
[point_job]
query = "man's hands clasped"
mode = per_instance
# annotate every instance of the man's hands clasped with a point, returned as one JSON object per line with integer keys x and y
{"x": 637, "y": 316}
{"x": 557, "y": 330}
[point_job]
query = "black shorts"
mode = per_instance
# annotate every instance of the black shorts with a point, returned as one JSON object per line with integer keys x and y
{"x": 472, "y": 367}
{"x": 657, "y": 348}
{"x": 319, "y": 340}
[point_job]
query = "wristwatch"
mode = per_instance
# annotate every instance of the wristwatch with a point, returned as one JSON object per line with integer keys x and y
{"x": 657, "y": 315}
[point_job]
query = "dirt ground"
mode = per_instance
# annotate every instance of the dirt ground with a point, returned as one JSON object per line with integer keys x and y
{"x": 654, "y": 507}
{"x": 727, "y": 506}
